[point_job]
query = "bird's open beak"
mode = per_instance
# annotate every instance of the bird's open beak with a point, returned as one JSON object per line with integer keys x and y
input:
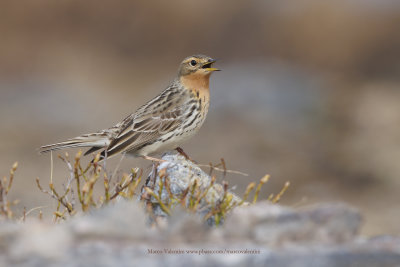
{"x": 208, "y": 66}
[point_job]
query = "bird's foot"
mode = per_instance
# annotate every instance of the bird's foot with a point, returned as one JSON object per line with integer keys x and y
{"x": 153, "y": 159}
{"x": 180, "y": 151}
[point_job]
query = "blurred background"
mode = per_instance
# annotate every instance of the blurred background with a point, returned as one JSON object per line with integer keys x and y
{"x": 309, "y": 91}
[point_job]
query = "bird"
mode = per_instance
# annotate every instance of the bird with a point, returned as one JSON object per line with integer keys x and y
{"x": 160, "y": 125}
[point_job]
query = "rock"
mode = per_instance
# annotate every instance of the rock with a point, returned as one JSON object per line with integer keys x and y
{"x": 271, "y": 224}
{"x": 262, "y": 234}
{"x": 127, "y": 220}
{"x": 182, "y": 174}
{"x": 41, "y": 240}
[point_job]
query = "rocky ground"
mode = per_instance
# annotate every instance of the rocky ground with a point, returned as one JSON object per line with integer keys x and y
{"x": 262, "y": 234}
{"x": 259, "y": 235}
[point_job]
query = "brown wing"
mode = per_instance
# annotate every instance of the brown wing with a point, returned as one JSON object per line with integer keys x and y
{"x": 113, "y": 132}
{"x": 163, "y": 114}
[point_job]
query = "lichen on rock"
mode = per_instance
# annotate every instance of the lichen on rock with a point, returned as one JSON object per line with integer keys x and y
{"x": 178, "y": 181}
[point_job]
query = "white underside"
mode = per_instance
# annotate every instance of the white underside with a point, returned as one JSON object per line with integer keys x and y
{"x": 159, "y": 147}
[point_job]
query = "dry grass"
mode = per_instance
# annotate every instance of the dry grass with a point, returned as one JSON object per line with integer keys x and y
{"x": 5, "y": 186}
{"x": 78, "y": 193}
{"x": 215, "y": 199}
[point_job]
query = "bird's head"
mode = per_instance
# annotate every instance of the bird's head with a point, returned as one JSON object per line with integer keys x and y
{"x": 198, "y": 65}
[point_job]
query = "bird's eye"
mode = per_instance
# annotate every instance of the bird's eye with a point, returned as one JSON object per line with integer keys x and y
{"x": 193, "y": 62}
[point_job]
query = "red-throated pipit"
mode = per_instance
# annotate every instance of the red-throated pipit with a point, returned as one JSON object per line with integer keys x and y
{"x": 163, "y": 123}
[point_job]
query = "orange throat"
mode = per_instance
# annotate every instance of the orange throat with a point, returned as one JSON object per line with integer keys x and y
{"x": 199, "y": 84}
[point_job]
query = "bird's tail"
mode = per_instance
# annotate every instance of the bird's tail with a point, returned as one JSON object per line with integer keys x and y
{"x": 95, "y": 140}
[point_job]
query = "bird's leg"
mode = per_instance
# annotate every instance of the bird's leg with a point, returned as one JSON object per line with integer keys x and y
{"x": 153, "y": 159}
{"x": 154, "y": 175}
{"x": 180, "y": 151}
{"x": 151, "y": 179}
